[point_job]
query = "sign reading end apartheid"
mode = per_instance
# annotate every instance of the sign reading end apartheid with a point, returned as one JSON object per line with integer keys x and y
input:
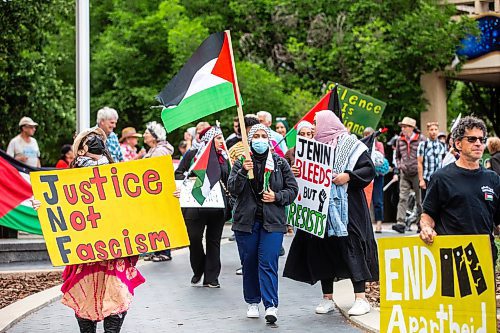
{"x": 310, "y": 210}
{"x": 446, "y": 287}
{"x": 109, "y": 211}
{"x": 359, "y": 111}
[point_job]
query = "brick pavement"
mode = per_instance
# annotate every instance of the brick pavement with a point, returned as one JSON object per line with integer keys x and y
{"x": 167, "y": 303}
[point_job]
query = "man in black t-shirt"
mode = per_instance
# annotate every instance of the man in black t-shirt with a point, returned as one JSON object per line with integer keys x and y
{"x": 463, "y": 197}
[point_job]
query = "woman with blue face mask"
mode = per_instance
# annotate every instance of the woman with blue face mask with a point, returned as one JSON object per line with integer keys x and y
{"x": 259, "y": 220}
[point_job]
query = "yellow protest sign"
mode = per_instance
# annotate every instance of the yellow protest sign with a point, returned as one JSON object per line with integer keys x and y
{"x": 109, "y": 211}
{"x": 446, "y": 287}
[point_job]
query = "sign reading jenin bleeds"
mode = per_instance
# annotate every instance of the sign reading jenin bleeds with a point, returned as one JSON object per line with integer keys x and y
{"x": 109, "y": 211}
{"x": 446, "y": 287}
{"x": 310, "y": 210}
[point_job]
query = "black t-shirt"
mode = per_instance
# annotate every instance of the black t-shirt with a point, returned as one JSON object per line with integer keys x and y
{"x": 463, "y": 202}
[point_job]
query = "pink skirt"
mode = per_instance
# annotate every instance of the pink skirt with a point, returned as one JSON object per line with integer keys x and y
{"x": 100, "y": 289}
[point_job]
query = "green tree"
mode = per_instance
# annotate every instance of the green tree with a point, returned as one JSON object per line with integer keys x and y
{"x": 29, "y": 85}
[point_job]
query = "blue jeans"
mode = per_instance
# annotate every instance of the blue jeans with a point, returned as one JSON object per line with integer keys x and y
{"x": 378, "y": 198}
{"x": 259, "y": 252}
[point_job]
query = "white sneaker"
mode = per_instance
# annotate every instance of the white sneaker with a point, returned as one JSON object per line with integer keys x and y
{"x": 271, "y": 315}
{"x": 325, "y": 306}
{"x": 359, "y": 308}
{"x": 253, "y": 311}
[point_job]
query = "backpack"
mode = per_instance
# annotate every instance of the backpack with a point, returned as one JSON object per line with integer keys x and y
{"x": 381, "y": 163}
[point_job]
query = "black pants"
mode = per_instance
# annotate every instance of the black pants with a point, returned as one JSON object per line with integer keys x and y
{"x": 112, "y": 324}
{"x": 205, "y": 263}
{"x": 327, "y": 286}
{"x": 423, "y": 191}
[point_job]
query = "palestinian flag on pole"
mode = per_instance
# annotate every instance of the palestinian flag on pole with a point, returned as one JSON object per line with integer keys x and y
{"x": 329, "y": 102}
{"x": 16, "y": 211}
{"x": 206, "y": 168}
{"x": 203, "y": 86}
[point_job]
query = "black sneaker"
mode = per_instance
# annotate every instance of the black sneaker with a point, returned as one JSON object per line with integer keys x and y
{"x": 399, "y": 228}
{"x": 214, "y": 284}
{"x": 195, "y": 279}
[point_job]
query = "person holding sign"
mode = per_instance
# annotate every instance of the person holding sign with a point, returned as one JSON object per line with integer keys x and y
{"x": 102, "y": 290}
{"x": 348, "y": 250}
{"x": 206, "y": 264}
{"x": 260, "y": 221}
{"x": 463, "y": 198}
{"x": 155, "y": 136}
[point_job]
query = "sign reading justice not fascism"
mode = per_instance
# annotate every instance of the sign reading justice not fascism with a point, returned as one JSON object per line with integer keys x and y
{"x": 109, "y": 211}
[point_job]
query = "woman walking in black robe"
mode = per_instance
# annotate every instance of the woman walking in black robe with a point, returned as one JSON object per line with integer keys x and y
{"x": 348, "y": 250}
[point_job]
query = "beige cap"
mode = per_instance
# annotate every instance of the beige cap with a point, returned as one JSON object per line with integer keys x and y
{"x": 408, "y": 122}
{"x": 83, "y": 134}
{"x": 129, "y": 132}
{"x": 27, "y": 121}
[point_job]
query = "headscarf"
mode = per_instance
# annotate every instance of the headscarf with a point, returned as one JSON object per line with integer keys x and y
{"x": 283, "y": 121}
{"x": 302, "y": 124}
{"x": 329, "y": 128}
{"x": 257, "y": 127}
{"x": 209, "y": 133}
{"x": 157, "y": 131}
{"x": 206, "y": 136}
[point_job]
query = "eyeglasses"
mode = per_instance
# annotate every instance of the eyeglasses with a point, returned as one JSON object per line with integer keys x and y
{"x": 473, "y": 139}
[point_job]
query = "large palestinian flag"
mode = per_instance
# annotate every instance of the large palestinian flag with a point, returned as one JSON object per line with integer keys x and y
{"x": 203, "y": 86}
{"x": 206, "y": 168}
{"x": 16, "y": 211}
{"x": 329, "y": 102}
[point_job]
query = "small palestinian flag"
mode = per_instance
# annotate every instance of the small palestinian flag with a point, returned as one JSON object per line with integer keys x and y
{"x": 16, "y": 210}
{"x": 268, "y": 169}
{"x": 207, "y": 171}
{"x": 203, "y": 86}
{"x": 329, "y": 102}
{"x": 488, "y": 196}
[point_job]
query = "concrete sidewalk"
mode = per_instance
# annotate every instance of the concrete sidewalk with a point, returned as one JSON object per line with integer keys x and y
{"x": 167, "y": 302}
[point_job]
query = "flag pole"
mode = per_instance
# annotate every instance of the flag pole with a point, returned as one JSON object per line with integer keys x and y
{"x": 241, "y": 117}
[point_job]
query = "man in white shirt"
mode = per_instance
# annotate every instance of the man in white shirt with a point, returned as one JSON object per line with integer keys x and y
{"x": 24, "y": 147}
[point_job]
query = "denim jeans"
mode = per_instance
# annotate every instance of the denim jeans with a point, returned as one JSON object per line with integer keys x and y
{"x": 259, "y": 252}
{"x": 378, "y": 198}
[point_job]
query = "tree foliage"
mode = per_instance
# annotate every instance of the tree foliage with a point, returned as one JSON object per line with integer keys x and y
{"x": 286, "y": 51}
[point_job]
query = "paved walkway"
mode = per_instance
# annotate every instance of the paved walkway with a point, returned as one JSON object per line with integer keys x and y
{"x": 167, "y": 303}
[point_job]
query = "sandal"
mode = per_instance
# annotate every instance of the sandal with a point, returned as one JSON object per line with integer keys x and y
{"x": 161, "y": 257}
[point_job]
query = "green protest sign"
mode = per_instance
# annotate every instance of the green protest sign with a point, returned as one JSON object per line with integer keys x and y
{"x": 359, "y": 110}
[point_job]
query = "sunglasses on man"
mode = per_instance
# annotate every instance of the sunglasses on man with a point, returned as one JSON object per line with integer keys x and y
{"x": 473, "y": 139}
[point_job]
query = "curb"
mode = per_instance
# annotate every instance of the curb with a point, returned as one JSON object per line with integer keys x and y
{"x": 344, "y": 297}
{"x": 13, "y": 313}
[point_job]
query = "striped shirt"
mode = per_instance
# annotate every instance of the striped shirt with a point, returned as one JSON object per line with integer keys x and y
{"x": 432, "y": 152}
{"x": 114, "y": 147}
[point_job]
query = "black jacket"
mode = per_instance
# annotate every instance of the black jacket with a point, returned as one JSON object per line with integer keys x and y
{"x": 282, "y": 182}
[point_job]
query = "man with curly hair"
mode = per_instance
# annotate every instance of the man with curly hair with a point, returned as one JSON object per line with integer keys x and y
{"x": 463, "y": 198}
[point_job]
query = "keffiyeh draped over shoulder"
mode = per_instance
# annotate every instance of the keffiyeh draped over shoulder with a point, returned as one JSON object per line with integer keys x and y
{"x": 347, "y": 150}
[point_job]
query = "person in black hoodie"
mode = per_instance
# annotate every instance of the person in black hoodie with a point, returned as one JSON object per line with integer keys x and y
{"x": 205, "y": 264}
{"x": 259, "y": 219}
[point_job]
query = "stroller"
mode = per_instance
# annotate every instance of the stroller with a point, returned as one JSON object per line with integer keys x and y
{"x": 411, "y": 211}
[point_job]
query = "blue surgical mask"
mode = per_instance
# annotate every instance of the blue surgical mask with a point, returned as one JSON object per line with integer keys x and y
{"x": 260, "y": 145}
